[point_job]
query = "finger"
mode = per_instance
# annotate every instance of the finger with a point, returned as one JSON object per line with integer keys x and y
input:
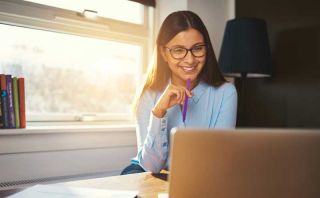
{"x": 189, "y": 93}
{"x": 180, "y": 95}
{"x": 183, "y": 97}
{"x": 186, "y": 94}
{"x": 177, "y": 94}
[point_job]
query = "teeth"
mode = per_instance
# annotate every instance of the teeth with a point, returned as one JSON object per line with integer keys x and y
{"x": 188, "y": 69}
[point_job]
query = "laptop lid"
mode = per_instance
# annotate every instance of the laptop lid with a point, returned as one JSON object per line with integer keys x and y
{"x": 245, "y": 163}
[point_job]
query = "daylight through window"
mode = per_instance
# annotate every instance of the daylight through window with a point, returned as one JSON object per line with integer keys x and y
{"x": 75, "y": 67}
{"x": 70, "y": 74}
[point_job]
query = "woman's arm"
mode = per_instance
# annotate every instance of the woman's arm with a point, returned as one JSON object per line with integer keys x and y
{"x": 152, "y": 125}
{"x": 151, "y": 135}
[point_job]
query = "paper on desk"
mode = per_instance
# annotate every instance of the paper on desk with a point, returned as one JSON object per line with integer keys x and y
{"x": 55, "y": 191}
{"x": 163, "y": 195}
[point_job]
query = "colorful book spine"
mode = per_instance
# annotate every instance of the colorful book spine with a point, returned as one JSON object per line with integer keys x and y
{"x": 22, "y": 106}
{"x": 12, "y": 122}
{"x": 16, "y": 101}
{"x": 1, "y": 121}
{"x": 4, "y": 101}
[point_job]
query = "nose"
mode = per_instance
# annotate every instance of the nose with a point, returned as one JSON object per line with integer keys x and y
{"x": 189, "y": 58}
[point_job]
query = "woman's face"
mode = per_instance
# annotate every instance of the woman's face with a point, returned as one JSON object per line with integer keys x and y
{"x": 185, "y": 64}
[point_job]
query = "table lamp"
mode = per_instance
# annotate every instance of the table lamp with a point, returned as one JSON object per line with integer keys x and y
{"x": 245, "y": 52}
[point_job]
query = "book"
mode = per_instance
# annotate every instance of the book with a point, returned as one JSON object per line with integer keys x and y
{"x": 12, "y": 122}
{"x": 16, "y": 101}
{"x": 4, "y": 101}
{"x": 22, "y": 105}
{"x": 1, "y": 121}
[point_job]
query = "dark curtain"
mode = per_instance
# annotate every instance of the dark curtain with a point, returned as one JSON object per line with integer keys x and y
{"x": 146, "y": 2}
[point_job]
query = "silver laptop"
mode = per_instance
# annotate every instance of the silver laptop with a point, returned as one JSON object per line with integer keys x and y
{"x": 246, "y": 163}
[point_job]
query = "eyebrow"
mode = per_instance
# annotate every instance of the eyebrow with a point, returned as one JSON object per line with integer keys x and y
{"x": 200, "y": 43}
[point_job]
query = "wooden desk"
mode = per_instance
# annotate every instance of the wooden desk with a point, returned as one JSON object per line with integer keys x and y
{"x": 148, "y": 185}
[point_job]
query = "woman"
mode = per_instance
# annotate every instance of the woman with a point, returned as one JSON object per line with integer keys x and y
{"x": 184, "y": 53}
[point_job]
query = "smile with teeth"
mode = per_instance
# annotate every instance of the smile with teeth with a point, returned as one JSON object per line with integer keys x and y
{"x": 188, "y": 69}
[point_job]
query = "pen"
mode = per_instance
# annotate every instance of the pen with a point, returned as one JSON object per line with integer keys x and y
{"x": 185, "y": 105}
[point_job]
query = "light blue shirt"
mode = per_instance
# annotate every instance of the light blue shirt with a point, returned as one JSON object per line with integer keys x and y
{"x": 209, "y": 107}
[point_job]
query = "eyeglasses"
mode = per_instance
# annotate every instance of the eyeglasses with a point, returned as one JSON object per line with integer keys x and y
{"x": 181, "y": 52}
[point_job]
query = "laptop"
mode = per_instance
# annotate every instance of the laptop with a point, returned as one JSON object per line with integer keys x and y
{"x": 245, "y": 163}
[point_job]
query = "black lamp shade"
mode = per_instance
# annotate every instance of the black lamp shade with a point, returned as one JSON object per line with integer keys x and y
{"x": 245, "y": 50}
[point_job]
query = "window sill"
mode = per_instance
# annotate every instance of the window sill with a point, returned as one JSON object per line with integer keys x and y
{"x": 53, "y": 138}
{"x": 69, "y": 127}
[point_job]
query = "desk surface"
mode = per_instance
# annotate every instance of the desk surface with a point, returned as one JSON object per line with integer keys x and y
{"x": 148, "y": 185}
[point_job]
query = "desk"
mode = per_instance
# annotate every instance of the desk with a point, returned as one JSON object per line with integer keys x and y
{"x": 148, "y": 185}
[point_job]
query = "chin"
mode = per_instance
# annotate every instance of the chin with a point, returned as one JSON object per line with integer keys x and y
{"x": 191, "y": 77}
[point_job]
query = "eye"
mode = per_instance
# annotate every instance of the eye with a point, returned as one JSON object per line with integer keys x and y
{"x": 198, "y": 48}
{"x": 178, "y": 50}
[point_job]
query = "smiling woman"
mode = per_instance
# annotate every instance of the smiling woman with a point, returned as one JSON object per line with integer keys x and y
{"x": 185, "y": 70}
{"x": 75, "y": 68}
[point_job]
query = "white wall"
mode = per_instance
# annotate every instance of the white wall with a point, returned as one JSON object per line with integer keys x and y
{"x": 164, "y": 8}
{"x": 28, "y": 154}
{"x": 214, "y": 14}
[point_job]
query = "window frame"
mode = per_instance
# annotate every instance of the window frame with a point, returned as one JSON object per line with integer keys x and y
{"x": 42, "y": 17}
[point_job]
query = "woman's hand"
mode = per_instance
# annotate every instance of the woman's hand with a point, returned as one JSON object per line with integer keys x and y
{"x": 171, "y": 96}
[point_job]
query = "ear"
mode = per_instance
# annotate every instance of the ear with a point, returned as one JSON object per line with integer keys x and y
{"x": 163, "y": 53}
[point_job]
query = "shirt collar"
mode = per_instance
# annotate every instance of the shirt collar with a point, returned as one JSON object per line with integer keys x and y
{"x": 198, "y": 91}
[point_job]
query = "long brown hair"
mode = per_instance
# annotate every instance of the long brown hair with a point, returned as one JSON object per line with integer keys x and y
{"x": 159, "y": 73}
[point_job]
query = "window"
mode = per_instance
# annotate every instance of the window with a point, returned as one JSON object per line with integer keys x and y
{"x": 74, "y": 68}
{"x": 123, "y": 10}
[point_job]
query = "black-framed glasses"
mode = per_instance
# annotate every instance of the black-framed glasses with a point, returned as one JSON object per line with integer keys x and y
{"x": 180, "y": 52}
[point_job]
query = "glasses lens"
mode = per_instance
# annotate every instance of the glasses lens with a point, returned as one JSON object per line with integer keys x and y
{"x": 178, "y": 52}
{"x": 198, "y": 50}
